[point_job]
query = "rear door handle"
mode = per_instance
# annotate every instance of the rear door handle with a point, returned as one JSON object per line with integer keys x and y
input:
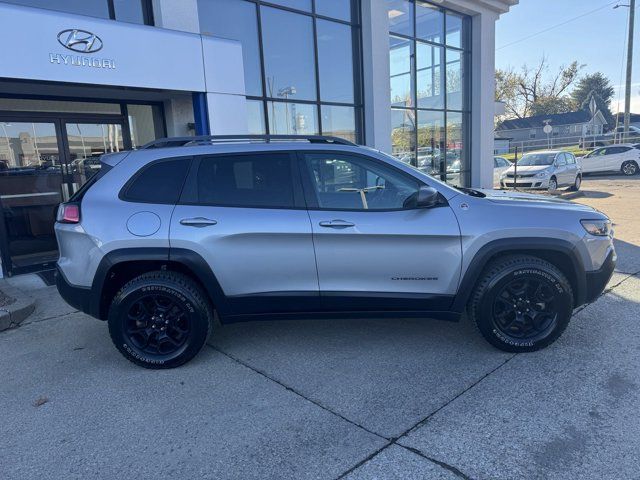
{"x": 197, "y": 222}
{"x": 337, "y": 224}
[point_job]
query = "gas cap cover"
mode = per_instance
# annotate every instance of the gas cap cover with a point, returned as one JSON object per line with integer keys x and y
{"x": 143, "y": 224}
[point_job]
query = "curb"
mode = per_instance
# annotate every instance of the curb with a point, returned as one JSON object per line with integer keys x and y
{"x": 15, "y": 313}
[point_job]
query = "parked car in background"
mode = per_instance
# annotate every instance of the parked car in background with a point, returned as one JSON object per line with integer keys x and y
{"x": 500, "y": 165}
{"x": 549, "y": 169}
{"x": 614, "y": 136}
{"x": 623, "y": 158}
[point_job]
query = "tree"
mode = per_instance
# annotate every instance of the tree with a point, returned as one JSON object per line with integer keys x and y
{"x": 598, "y": 86}
{"x": 532, "y": 91}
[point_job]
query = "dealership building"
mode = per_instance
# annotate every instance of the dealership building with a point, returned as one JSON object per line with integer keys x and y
{"x": 79, "y": 78}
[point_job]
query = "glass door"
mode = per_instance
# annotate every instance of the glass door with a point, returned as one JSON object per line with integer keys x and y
{"x": 86, "y": 142}
{"x": 31, "y": 179}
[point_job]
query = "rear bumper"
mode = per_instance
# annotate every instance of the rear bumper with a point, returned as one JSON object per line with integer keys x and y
{"x": 77, "y": 297}
{"x": 597, "y": 280}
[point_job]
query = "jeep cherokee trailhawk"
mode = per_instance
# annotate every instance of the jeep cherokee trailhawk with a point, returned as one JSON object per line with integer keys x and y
{"x": 274, "y": 227}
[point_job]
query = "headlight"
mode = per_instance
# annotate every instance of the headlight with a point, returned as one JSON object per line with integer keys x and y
{"x": 599, "y": 228}
{"x": 543, "y": 173}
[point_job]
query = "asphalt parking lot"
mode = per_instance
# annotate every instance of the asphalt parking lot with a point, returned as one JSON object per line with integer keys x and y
{"x": 355, "y": 399}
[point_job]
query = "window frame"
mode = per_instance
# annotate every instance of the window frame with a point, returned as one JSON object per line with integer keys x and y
{"x": 122, "y": 194}
{"x": 310, "y": 190}
{"x": 189, "y": 195}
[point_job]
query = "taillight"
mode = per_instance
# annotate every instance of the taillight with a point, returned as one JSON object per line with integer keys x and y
{"x": 69, "y": 213}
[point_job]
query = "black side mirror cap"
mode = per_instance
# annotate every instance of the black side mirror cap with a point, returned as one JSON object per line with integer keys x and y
{"x": 427, "y": 197}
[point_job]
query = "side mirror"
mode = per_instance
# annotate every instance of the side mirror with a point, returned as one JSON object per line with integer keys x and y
{"x": 427, "y": 197}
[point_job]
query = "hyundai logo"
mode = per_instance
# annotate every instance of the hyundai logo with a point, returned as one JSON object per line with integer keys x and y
{"x": 80, "y": 40}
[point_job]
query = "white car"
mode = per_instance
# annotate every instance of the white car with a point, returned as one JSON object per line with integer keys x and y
{"x": 622, "y": 157}
{"x": 500, "y": 164}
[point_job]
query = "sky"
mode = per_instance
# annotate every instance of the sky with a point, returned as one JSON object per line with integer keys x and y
{"x": 596, "y": 39}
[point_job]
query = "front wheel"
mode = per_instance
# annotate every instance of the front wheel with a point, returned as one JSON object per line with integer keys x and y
{"x": 160, "y": 320}
{"x": 521, "y": 303}
{"x": 629, "y": 168}
{"x": 553, "y": 184}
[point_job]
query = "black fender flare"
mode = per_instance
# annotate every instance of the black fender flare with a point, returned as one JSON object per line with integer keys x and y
{"x": 520, "y": 245}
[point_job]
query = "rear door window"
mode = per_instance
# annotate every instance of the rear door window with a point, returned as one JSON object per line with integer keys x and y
{"x": 263, "y": 180}
{"x": 159, "y": 182}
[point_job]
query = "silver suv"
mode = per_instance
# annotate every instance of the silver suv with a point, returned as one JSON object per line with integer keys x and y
{"x": 268, "y": 227}
{"x": 548, "y": 170}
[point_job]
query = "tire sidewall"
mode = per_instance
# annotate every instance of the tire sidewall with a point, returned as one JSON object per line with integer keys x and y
{"x": 555, "y": 187}
{"x": 631, "y": 164}
{"x": 484, "y": 311}
{"x": 197, "y": 319}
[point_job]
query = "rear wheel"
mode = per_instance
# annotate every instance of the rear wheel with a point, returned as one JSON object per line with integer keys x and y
{"x": 576, "y": 184}
{"x": 160, "y": 320}
{"x": 521, "y": 303}
{"x": 629, "y": 168}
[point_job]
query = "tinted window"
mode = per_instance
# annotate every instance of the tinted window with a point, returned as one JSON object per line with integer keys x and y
{"x": 570, "y": 158}
{"x": 246, "y": 181}
{"x": 160, "y": 182}
{"x": 345, "y": 182}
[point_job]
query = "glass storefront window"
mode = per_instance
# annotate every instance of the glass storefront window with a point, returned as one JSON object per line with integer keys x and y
{"x": 255, "y": 118}
{"x": 429, "y": 73}
{"x": 339, "y": 122}
{"x": 340, "y": 9}
{"x": 297, "y": 4}
{"x": 239, "y": 22}
{"x": 145, "y": 124}
{"x": 400, "y": 14}
{"x": 87, "y": 143}
{"x": 286, "y": 118}
{"x": 133, "y": 11}
{"x": 403, "y": 138}
{"x": 432, "y": 90}
{"x": 400, "y": 66}
{"x": 289, "y": 60}
{"x": 335, "y": 61}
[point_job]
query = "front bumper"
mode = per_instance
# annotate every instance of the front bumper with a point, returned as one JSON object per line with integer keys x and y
{"x": 597, "y": 280}
{"x": 525, "y": 182}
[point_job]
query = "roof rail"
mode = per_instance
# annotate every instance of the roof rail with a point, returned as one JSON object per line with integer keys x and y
{"x": 208, "y": 139}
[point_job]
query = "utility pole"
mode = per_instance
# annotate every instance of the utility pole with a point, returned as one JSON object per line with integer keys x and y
{"x": 627, "y": 93}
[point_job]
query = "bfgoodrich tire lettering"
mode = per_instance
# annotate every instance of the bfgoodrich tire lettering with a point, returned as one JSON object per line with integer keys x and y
{"x": 521, "y": 303}
{"x": 160, "y": 320}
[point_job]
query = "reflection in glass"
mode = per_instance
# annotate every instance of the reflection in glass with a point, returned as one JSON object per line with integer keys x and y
{"x": 30, "y": 190}
{"x": 403, "y": 143}
{"x": 145, "y": 124}
{"x": 339, "y": 122}
{"x": 429, "y": 22}
{"x": 87, "y": 142}
{"x": 92, "y": 8}
{"x": 128, "y": 11}
{"x": 297, "y": 4}
{"x": 429, "y": 75}
{"x": 286, "y": 118}
{"x": 454, "y": 30}
{"x": 335, "y": 61}
{"x": 400, "y": 67}
{"x": 456, "y": 161}
{"x": 237, "y": 21}
{"x": 255, "y": 118}
{"x": 340, "y": 9}
{"x": 431, "y": 145}
{"x": 454, "y": 80}
{"x": 400, "y": 14}
{"x": 288, "y": 54}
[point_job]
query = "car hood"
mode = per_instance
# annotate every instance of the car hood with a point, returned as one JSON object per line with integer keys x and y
{"x": 506, "y": 197}
{"x": 529, "y": 169}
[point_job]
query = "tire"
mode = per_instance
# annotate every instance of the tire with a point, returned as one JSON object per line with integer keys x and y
{"x": 144, "y": 335}
{"x": 629, "y": 168}
{"x": 576, "y": 184}
{"x": 511, "y": 327}
{"x": 553, "y": 184}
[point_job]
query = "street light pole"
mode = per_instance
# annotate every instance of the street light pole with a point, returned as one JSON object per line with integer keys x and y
{"x": 627, "y": 93}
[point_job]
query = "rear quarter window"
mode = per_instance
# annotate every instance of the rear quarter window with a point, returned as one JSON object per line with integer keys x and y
{"x": 158, "y": 182}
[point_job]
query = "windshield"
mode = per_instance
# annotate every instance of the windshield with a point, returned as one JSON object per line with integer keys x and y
{"x": 536, "y": 159}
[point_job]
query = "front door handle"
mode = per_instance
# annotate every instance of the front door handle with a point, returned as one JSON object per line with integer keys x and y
{"x": 198, "y": 222}
{"x": 337, "y": 224}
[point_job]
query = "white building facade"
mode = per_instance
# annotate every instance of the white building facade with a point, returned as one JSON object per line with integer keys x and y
{"x": 78, "y": 79}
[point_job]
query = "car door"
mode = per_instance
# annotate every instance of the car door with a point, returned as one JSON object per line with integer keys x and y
{"x": 594, "y": 161}
{"x": 374, "y": 249}
{"x": 572, "y": 168}
{"x": 244, "y": 214}
{"x": 560, "y": 170}
{"x": 615, "y": 157}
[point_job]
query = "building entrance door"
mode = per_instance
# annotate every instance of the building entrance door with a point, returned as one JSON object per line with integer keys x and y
{"x": 43, "y": 161}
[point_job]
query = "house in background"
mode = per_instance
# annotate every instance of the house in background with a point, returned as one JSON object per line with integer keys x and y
{"x": 566, "y": 129}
